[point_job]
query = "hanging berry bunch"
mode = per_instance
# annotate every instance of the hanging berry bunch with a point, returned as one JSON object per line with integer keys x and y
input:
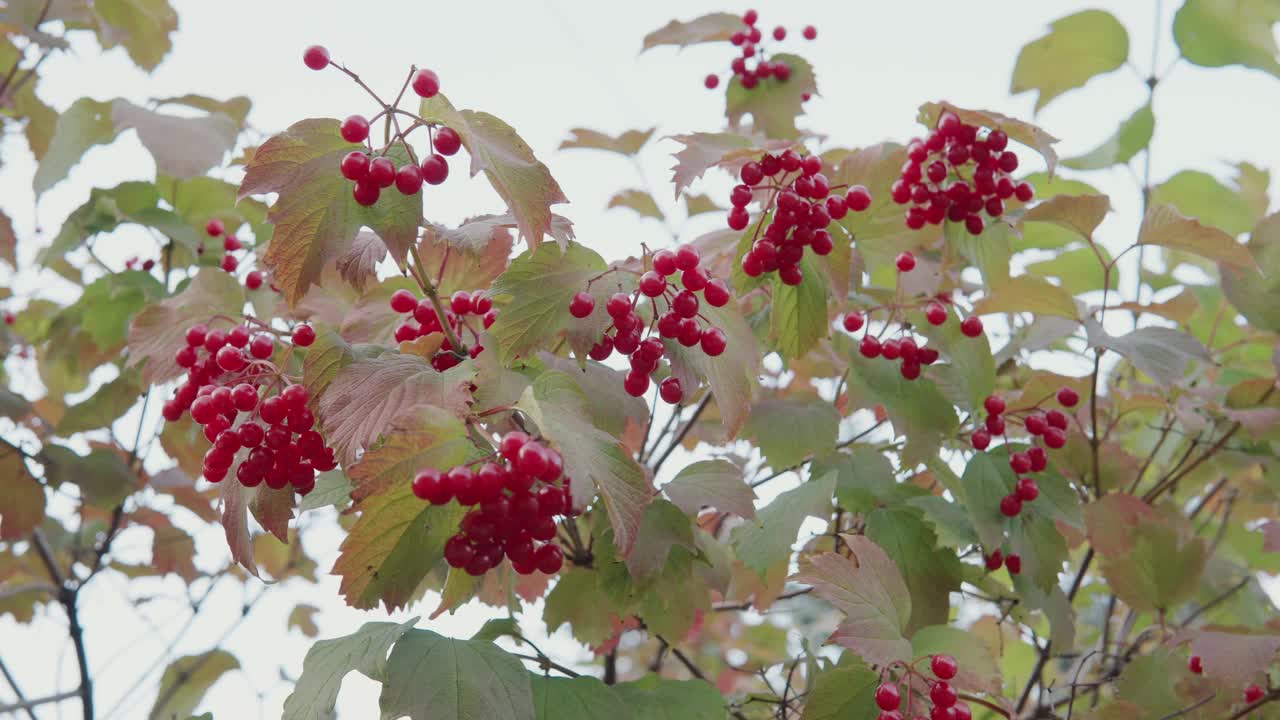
{"x": 228, "y": 374}
{"x": 942, "y": 702}
{"x": 519, "y": 491}
{"x": 373, "y": 170}
{"x": 804, "y": 204}
{"x": 427, "y": 321}
{"x": 753, "y": 65}
{"x": 675, "y": 317}
{"x": 953, "y": 174}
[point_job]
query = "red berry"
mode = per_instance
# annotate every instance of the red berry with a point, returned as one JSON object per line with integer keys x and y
{"x": 974, "y": 224}
{"x": 549, "y": 559}
{"x": 750, "y": 17}
{"x": 403, "y": 301}
{"x": 811, "y": 165}
{"x": 316, "y": 57}
{"x": 426, "y": 83}
{"x": 670, "y": 391}
{"x": 653, "y": 284}
{"x": 1068, "y": 397}
{"x": 1010, "y": 505}
{"x": 935, "y": 313}
{"x": 532, "y": 459}
{"x": 685, "y": 304}
{"x": 1039, "y": 458}
{"x": 409, "y": 179}
{"x": 619, "y": 305}
{"x": 972, "y": 326}
{"x": 664, "y": 261}
{"x": 303, "y": 335}
{"x": 888, "y": 697}
{"x": 810, "y": 32}
{"x": 994, "y": 561}
{"x": 994, "y": 404}
{"x": 382, "y": 172}
{"x": 435, "y": 169}
{"x": 944, "y": 667}
{"x": 1020, "y": 463}
{"x": 906, "y": 262}
{"x": 430, "y": 485}
{"x": 214, "y": 227}
{"x": 716, "y": 293}
{"x": 366, "y": 192}
{"x": 230, "y": 263}
{"x": 858, "y": 198}
{"x": 942, "y": 693}
{"x": 695, "y": 279}
{"x": 1026, "y": 489}
{"x": 1024, "y": 192}
{"x": 995, "y": 424}
{"x": 791, "y": 275}
{"x": 751, "y": 173}
{"x": 869, "y": 347}
{"x": 1253, "y": 693}
{"x": 253, "y": 280}
{"x": 779, "y": 33}
{"x": 852, "y": 322}
{"x": 980, "y": 439}
{"x": 711, "y": 81}
{"x": 447, "y": 141}
{"x": 1055, "y": 438}
{"x": 354, "y": 129}
{"x": 1056, "y": 419}
{"x": 460, "y": 302}
{"x": 738, "y": 218}
{"x": 713, "y": 341}
{"x": 1196, "y": 665}
{"x": 582, "y": 304}
{"x": 1014, "y": 563}
{"x": 245, "y": 397}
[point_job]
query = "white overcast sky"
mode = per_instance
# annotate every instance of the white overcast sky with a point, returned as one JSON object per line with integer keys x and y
{"x": 546, "y": 66}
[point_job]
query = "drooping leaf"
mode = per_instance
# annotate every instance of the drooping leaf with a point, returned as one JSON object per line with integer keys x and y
{"x": 183, "y": 147}
{"x": 398, "y": 538}
{"x": 773, "y": 104}
{"x": 1201, "y": 196}
{"x": 1078, "y": 271}
{"x": 328, "y": 661}
{"x": 864, "y": 477}
{"x": 315, "y": 216}
{"x": 1164, "y": 354}
{"x": 1076, "y": 48}
{"x": 432, "y": 677}
{"x": 628, "y": 143}
{"x": 158, "y": 332}
{"x": 789, "y": 430}
{"x": 1028, "y": 293}
{"x": 768, "y": 540}
{"x": 303, "y": 617}
{"x": 236, "y": 108}
{"x": 712, "y": 27}
{"x": 1150, "y": 556}
{"x": 522, "y": 181}
{"x": 638, "y": 200}
{"x": 186, "y": 681}
{"x": 715, "y": 483}
{"x": 580, "y": 600}
{"x": 83, "y": 125}
{"x": 540, "y": 284}
{"x": 358, "y": 266}
{"x": 1081, "y": 214}
{"x": 1132, "y": 137}
{"x": 1166, "y": 227}
{"x": 662, "y": 528}
{"x": 363, "y": 399}
{"x": 102, "y": 475}
{"x": 1217, "y": 33}
{"x": 868, "y": 588}
{"x": 593, "y": 459}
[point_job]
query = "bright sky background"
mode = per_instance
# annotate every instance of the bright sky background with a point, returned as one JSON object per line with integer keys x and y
{"x": 546, "y": 66}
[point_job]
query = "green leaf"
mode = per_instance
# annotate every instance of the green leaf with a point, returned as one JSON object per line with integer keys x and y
{"x": 612, "y": 409}
{"x": 1217, "y": 33}
{"x": 949, "y": 520}
{"x": 1076, "y": 48}
{"x": 1199, "y": 195}
{"x": 432, "y": 677}
{"x": 1042, "y": 548}
{"x": 522, "y": 181}
{"x": 1166, "y": 227}
{"x": 656, "y": 698}
{"x": 580, "y": 698}
{"x": 712, "y": 483}
{"x": 1079, "y": 270}
{"x": 85, "y": 124}
{"x": 540, "y": 283}
{"x": 183, "y": 147}
{"x": 986, "y": 479}
{"x": 398, "y": 539}
{"x": 102, "y": 475}
{"x": 580, "y": 600}
{"x": 1151, "y": 557}
{"x": 638, "y": 200}
{"x": 236, "y": 108}
{"x": 978, "y": 670}
{"x": 315, "y": 216}
{"x": 1028, "y": 293}
{"x": 332, "y": 489}
{"x": 767, "y": 541}
{"x": 798, "y": 314}
{"x": 931, "y": 573}
{"x": 773, "y": 104}
{"x": 733, "y": 376}
{"x": 303, "y": 617}
{"x": 1164, "y": 354}
{"x": 1081, "y": 214}
{"x": 628, "y": 143}
{"x": 1133, "y": 136}
{"x": 592, "y": 458}
{"x": 104, "y": 407}
{"x": 789, "y": 430}
{"x": 186, "y": 681}
{"x": 1149, "y": 682}
{"x": 662, "y": 528}
{"x": 712, "y": 27}
{"x": 971, "y": 369}
{"x": 328, "y": 661}
{"x": 143, "y": 27}
{"x": 864, "y": 477}
{"x": 365, "y": 397}
{"x": 1257, "y": 294}
{"x": 21, "y": 498}
{"x": 989, "y": 252}
{"x": 845, "y": 691}
{"x": 160, "y": 329}
{"x": 868, "y": 588}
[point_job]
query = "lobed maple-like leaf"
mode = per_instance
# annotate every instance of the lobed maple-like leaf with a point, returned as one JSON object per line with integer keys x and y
{"x": 767, "y": 540}
{"x": 328, "y": 661}
{"x": 628, "y": 143}
{"x": 430, "y": 676}
{"x": 712, "y": 483}
{"x": 1077, "y": 48}
{"x": 1166, "y": 227}
{"x": 523, "y": 182}
{"x": 773, "y": 104}
{"x": 703, "y": 151}
{"x": 358, "y": 265}
{"x": 869, "y": 590}
{"x": 315, "y": 217}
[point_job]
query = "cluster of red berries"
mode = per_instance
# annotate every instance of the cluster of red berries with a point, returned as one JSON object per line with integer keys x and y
{"x": 461, "y": 304}
{"x": 806, "y": 205}
{"x": 519, "y": 490}
{"x": 943, "y": 695}
{"x": 752, "y": 66}
{"x": 679, "y": 321}
{"x": 1253, "y": 692}
{"x": 372, "y": 172}
{"x": 226, "y": 373}
{"x": 953, "y": 175}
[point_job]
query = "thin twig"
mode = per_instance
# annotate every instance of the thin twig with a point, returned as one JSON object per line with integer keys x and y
{"x": 679, "y": 438}
{"x": 23, "y": 703}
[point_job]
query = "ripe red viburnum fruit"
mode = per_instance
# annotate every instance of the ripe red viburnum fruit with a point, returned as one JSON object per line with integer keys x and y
{"x": 316, "y": 57}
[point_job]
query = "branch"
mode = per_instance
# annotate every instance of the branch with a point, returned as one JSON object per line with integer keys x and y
{"x": 679, "y": 438}
{"x": 23, "y": 704}
{"x": 1269, "y": 697}
{"x": 1189, "y": 708}
{"x": 28, "y": 705}
{"x": 547, "y": 663}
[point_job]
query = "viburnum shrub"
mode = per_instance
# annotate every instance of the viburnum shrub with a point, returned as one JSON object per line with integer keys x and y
{"x": 910, "y": 431}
